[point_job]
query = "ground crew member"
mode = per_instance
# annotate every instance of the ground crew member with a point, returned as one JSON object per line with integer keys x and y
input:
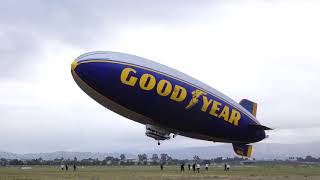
{"x": 198, "y": 168}
{"x": 228, "y": 167}
{"x": 182, "y": 167}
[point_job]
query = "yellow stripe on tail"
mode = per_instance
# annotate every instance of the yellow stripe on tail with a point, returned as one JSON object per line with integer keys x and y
{"x": 249, "y": 106}
{"x": 243, "y": 149}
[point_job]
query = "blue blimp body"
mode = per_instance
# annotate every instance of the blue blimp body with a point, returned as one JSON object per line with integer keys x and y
{"x": 166, "y": 100}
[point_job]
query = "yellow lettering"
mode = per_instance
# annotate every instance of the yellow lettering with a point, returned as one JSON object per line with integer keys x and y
{"x": 147, "y": 82}
{"x": 179, "y": 93}
{"x": 215, "y": 108}
{"x": 206, "y": 103}
{"x": 235, "y": 117}
{"x": 225, "y": 113}
{"x": 164, "y": 87}
{"x": 125, "y": 74}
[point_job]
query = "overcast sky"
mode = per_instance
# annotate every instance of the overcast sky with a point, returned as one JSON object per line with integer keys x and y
{"x": 266, "y": 51}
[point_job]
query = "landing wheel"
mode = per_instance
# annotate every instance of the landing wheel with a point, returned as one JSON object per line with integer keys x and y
{"x": 158, "y": 143}
{"x": 173, "y": 136}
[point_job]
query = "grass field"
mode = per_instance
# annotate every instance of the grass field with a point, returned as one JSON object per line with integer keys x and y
{"x": 169, "y": 172}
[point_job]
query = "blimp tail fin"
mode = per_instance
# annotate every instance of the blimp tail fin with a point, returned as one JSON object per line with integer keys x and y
{"x": 242, "y": 149}
{"x": 250, "y": 106}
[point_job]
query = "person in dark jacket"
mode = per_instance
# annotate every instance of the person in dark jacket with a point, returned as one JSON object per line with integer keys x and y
{"x": 182, "y": 167}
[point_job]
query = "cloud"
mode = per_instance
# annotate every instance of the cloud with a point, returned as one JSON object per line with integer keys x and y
{"x": 27, "y": 26}
{"x": 294, "y": 135}
{"x": 17, "y": 51}
{"x": 264, "y": 51}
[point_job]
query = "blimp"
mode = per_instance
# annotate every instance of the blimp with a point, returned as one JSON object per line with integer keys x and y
{"x": 167, "y": 101}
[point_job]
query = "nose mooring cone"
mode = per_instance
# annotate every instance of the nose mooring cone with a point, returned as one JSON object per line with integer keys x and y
{"x": 74, "y": 65}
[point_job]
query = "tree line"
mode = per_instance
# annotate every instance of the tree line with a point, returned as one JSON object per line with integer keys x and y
{"x": 142, "y": 159}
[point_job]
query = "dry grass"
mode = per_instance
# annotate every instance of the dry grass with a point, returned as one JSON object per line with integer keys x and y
{"x": 171, "y": 172}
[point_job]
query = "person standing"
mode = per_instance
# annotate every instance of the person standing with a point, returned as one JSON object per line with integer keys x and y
{"x": 194, "y": 167}
{"x": 66, "y": 167}
{"x": 161, "y": 166}
{"x": 225, "y": 166}
{"x": 198, "y": 168}
{"x": 228, "y": 167}
{"x": 182, "y": 167}
{"x": 189, "y": 166}
{"x": 74, "y": 167}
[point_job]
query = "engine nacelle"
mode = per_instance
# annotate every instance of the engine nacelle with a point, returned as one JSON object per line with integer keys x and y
{"x": 157, "y": 133}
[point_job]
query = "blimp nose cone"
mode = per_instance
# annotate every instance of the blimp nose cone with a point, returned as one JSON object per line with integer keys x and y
{"x": 74, "y": 64}
{"x": 90, "y": 73}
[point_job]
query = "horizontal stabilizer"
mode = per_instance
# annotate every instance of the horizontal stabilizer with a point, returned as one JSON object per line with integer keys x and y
{"x": 249, "y": 106}
{"x": 242, "y": 149}
{"x": 258, "y": 126}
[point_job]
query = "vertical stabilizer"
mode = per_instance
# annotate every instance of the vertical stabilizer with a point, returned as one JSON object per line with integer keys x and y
{"x": 250, "y": 106}
{"x": 242, "y": 149}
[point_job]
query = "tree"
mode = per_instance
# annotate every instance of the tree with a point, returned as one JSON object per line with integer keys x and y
{"x": 169, "y": 160}
{"x": 109, "y": 158}
{"x": 163, "y": 158}
{"x": 310, "y": 159}
{"x": 122, "y": 157}
{"x": 15, "y": 162}
{"x": 196, "y": 158}
{"x": 3, "y": 162}
{"x": 155, "y": 158}
{"x": 140, "y": 158}
{"x": 143, "y": 158}
{"x": 115, "y": 161}
{"x": 218, "y": 160}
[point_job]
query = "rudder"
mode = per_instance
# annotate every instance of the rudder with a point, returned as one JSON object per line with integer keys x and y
{"x": 242, "y": 149}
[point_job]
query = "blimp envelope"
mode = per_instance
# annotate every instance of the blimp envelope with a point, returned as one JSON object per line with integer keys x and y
{"x": 166, "y": 100}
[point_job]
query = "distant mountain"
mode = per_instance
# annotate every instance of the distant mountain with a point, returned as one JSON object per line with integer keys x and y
{"x": 58, "y": 154}
{"x": 8, "y": 155}
{"x": 68, "y": 155}
{"x": 260, "y": 151}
